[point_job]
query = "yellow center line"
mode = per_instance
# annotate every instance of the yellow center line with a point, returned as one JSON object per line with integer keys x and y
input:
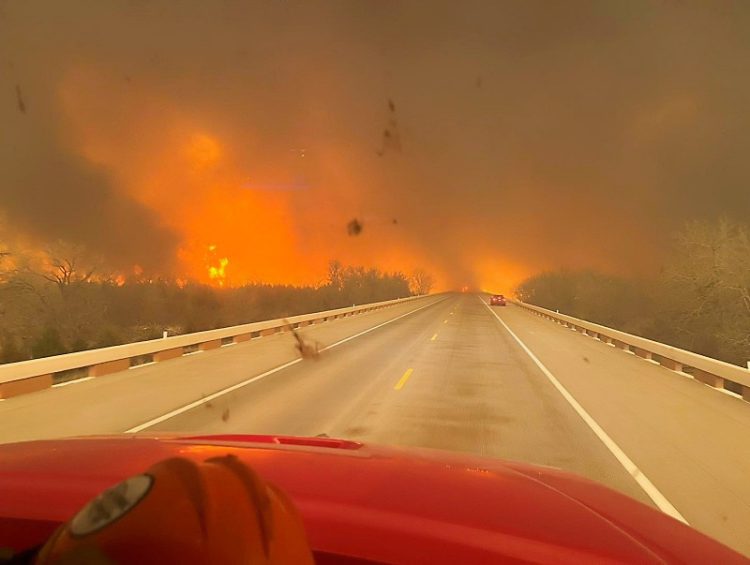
{"x": 433, "y": 338}
{"x": 400, "y": 384}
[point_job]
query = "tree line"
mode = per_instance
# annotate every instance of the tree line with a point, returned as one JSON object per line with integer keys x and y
{"x": 699, "y": 301}
{"x": 60, "y": 302}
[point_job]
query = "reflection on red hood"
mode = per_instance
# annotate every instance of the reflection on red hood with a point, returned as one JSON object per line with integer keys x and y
{"x": 374, "y": 503}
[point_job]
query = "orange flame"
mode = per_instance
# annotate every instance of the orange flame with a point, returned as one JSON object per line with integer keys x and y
{"x": 196, "y": 181}
{"x": 219, "y": 274}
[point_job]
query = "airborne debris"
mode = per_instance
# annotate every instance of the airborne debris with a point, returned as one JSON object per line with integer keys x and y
{"x": 391, "y": 136}
{"x": 19, "y": 97}
{"x": 354, "y": 227}
{"x": 307, "y": 349}
{"x": 225, "y": 415}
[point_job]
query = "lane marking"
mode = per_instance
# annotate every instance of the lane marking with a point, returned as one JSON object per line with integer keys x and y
{"x": 140, "y": 365}
{"x": 72, "y": 382}
{"x": 433, "y": 338}
{"x": 725, "y": 391}
{"x": 649, "y": 488}
{"x": 251, "y": 380}
{"x": 400, "y": 384}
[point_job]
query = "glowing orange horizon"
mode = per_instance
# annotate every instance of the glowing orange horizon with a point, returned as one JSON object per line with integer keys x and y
{"x": 234, "y": 231}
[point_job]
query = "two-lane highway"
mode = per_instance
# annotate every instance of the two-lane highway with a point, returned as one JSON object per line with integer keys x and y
{"x": 453, "y": 376}
{"x": 447, "y": 377}
{"x": 445, "y": 372}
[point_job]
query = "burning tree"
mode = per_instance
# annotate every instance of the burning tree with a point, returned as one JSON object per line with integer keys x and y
{"x": 65, "y": 264}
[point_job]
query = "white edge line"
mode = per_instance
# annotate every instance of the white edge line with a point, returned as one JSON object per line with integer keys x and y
{"x": 232, "y": 388}
{"x": 378, "y": 326}
{"x": 654, "y": 362}
{"x": 72, "y": 382}
{"x": 650, "y": 489}
{"x": 727, "y": 392}
{"x": 139, "y": 365}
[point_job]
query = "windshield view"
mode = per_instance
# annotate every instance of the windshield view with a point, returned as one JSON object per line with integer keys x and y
{"x": 374, "y": 282}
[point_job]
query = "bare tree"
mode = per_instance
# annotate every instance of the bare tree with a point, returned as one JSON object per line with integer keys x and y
{"x": 6, "y": 256}
{"x": 421, "y": 282}
{"x": 4, "y": 266}
{"x": 706, "y": 288}
{"x": 66, "y": 264}
{"x": 336, "y": 274}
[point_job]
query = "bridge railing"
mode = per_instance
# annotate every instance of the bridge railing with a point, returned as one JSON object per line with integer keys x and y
{"x": 712, "y": 372}
{"x": 37, "y": 374}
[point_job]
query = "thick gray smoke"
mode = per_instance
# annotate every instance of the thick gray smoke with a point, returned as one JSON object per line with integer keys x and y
{"x": 540, "y": 134}
{"x": 47, "y": 190}
{"x": 52, "y": 194}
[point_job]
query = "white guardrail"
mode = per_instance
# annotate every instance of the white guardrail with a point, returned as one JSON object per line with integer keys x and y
{"x": 709, "y": 371}
{"x": 38, "y": 374}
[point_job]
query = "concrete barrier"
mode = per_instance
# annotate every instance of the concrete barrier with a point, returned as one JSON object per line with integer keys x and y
{"x": 208, "y": 345}
{"x": 23, "y": 386}
{"x": 167, "y": 354}
{"x": 105, "y": 368}
{"x": 711, "y": 372}
{"x": 38, "y": 374}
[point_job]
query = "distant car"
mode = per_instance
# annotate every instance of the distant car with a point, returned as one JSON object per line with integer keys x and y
{"x": 497, "y": 300}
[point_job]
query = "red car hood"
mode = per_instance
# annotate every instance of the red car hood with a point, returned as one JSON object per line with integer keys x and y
{"x": 373, "y": 503}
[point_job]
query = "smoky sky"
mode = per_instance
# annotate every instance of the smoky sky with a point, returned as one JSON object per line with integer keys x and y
{"x": 535, "y": 134}
{"x": 47, "y": 191}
